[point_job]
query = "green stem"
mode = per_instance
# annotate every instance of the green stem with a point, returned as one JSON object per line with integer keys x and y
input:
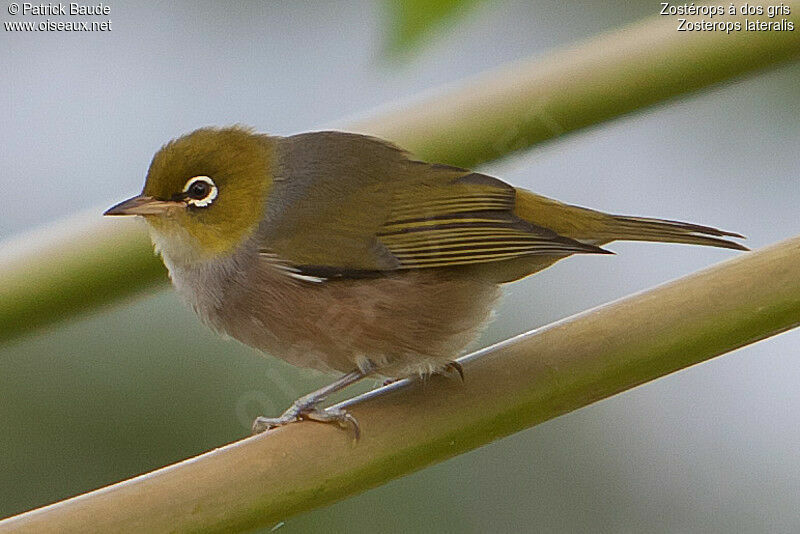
{"x": 77, "y": 266}
{"x": 534, "y": 100}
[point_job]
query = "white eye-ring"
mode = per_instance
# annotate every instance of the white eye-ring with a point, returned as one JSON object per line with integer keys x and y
{"x": 200, "y": 191}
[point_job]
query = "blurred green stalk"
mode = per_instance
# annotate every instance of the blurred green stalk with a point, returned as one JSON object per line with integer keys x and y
{"x": 90, "y": 264}
{"x": 71, "y": 267}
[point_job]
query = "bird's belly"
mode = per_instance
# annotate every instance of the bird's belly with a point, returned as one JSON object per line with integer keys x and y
{"x": 406, "y": 323}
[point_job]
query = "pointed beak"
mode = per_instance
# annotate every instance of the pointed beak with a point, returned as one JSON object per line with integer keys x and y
{"x": 143, "y": 205}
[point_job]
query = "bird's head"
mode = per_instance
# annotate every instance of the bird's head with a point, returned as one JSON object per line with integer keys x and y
{"x": 204, "y": 192}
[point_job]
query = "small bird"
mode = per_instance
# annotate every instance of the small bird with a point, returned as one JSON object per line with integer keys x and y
{"x": 340, "y": 252}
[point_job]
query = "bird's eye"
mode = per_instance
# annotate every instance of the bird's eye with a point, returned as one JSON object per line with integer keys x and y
{"x": 200, "y": 191}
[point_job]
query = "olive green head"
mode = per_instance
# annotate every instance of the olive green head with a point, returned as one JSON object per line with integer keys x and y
{"x": 205, "y": 192}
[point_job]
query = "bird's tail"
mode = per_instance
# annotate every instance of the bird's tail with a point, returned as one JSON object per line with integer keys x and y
{"x": 598, "y": 228}
{"x": 648, "y": 229}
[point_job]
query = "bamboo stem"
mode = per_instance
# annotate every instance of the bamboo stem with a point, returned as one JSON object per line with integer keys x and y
{"x": 605, "y": 77}
{"x": 516, "y": 384}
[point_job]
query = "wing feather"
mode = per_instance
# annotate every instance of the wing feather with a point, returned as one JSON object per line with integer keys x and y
{"x": 469, "y": 221}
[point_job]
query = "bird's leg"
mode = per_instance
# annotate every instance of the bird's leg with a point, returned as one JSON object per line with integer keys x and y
{"x": 307, "y": 407}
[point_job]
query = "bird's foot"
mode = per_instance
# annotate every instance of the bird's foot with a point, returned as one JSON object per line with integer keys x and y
{"x": 307, "y": 407}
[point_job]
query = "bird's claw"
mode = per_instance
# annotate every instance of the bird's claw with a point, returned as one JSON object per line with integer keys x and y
{"x": 331, "y": 415}
{"x": 335, "y": 415}
{"x": 455, "y": 367}
{"x": 262, "y": 424}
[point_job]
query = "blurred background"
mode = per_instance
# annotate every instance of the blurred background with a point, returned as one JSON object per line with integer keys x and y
{"x": 713, "y": 448}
